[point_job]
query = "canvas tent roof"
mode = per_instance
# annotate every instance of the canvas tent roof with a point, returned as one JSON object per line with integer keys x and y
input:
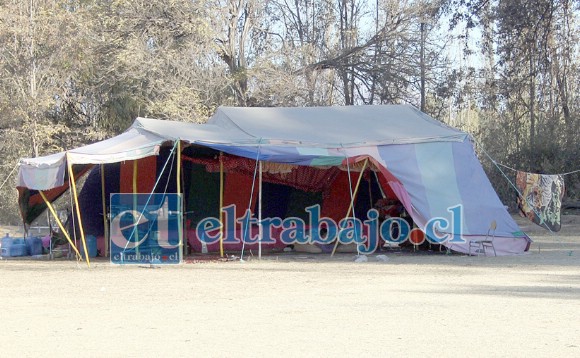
{"x": 322, "y": 127}
{"x": 431, "y": 167}
{"x": 316, "y": 128}
{"x": 49, "y": 172}
{"x": 335, "y": 127}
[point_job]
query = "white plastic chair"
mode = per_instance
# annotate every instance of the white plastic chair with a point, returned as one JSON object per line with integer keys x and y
{"x": 481, "y": 244}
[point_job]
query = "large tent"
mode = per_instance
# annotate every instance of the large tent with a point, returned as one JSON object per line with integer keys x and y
{"x": 428, "y": 166}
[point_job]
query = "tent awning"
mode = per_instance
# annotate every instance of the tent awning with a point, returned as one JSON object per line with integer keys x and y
{"x": 48, "y": 172}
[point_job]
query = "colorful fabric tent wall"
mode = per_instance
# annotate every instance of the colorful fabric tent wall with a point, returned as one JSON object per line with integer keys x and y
{"x": 146, "y": 174}
{"x": 429, "y": 166}
{"x": 336, "y": 199}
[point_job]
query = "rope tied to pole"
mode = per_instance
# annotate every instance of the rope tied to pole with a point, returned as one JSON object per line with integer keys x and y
{"x": 245, "y": 233}
{"x": 518, "y": 191}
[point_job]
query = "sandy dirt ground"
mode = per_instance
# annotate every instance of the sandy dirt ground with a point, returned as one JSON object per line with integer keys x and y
{"x": 301, "y": 305}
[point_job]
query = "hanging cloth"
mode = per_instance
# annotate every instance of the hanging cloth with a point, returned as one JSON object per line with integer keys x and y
{"x": 540, "y": 198}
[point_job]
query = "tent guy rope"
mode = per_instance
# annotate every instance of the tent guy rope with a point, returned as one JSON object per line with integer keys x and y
{"x": 9, "y": 175}
{"x": 519, "y": 193}
{"x": 245, "y": 233}
{"x": 171, "y": 157}
{"x": 516, "y": 170}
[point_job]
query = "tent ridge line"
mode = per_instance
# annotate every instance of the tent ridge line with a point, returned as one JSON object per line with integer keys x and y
{"x": 234, "y": 123}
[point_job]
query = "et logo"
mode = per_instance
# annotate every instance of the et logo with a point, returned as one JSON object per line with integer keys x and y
{"x": 145, "y": 228}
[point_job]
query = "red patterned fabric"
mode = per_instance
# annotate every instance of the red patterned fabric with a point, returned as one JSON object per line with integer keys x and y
{"x": 300, "y": 177}
{"x": 333, "y": 182}
{"x": 304, "y": 178}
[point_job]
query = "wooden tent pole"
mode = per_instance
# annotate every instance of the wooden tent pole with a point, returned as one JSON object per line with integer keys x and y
{"x": 58, "y": 222}
{"x": 78, "y": 210}
{"x": 135, "y": 173}
{"x": 181, "y": 209}
{"x": 105, "y": 218}
{"x": 260, "y": 229}
{"x": 351, "y": 205}
{"x": 221, "y": 205}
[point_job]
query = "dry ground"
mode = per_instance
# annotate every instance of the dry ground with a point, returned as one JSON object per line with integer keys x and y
{"x": 301, "y": 305}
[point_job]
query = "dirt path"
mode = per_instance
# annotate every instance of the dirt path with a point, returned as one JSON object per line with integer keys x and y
{"x": 299, "y": 305}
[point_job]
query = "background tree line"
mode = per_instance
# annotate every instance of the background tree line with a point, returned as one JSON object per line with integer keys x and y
{"x": 507, "y": 71}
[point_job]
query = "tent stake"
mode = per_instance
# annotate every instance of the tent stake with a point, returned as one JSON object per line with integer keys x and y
{"x": 78, "y": 210}
{"x": 351, "y": 206}
{"x": 59, "y": 223}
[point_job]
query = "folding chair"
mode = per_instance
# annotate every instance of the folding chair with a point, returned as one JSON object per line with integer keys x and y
{"x": 481, "y": 244}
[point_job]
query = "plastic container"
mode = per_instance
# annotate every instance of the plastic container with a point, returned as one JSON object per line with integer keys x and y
{"x": 18, "y": 248}
{"x": 34, "y": 245}
{"x": 91, "y": 246}
{"x": 6, "y": 245}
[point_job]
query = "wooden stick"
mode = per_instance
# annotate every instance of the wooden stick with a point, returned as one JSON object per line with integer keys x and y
{"x": 78, "y": 210}
{"x": 105, "y": 221}
{"x": 58, "y": 222}
{"x": 221, "y": 205}
{"x": 260, "y": 233}
{"x": 351, "y": 206}
{"x": 181, "y": 209}
{"x": 135, "y": 173}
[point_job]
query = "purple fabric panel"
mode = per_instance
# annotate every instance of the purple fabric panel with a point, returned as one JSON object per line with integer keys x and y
{"x": 401, "y": 161}
{"x": 481, "y": 205}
